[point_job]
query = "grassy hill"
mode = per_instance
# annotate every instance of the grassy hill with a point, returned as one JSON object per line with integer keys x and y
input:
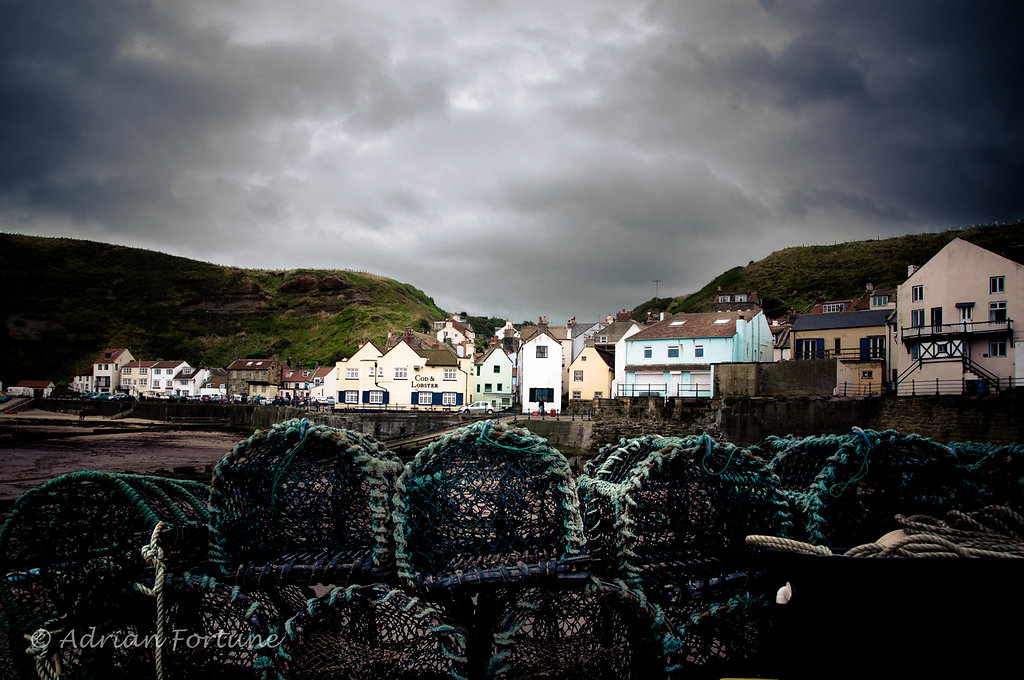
{"x": 66, "y": 300}
{"x": 796, "y": 277}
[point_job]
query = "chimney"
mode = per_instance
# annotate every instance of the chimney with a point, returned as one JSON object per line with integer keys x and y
{"x": 408, "y": 332}
{"x": 624, "y": 316}
{"x": 870, "y": 287}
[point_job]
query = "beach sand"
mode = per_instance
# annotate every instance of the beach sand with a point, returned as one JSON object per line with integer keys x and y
{"x": 38, "y": 445}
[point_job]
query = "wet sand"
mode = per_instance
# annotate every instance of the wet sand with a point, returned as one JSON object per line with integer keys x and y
{"x": 38, "y": 445}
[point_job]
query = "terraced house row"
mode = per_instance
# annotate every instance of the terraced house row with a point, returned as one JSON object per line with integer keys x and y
{"x": 948, "y": 329}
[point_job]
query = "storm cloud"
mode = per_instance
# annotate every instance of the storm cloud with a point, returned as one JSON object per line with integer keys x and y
{"x": 509, "y": 160}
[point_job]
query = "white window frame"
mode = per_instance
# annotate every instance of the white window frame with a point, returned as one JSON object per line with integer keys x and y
{"x": 450, "y": 374}
{"x": 577, "y": 376}
{"x": 698, "y": 351}
{"x": 351, "y": 396}
{"x": 542, "y": 351}
{"x": 917, "y": 318}
{"x": 996, "y": 284}
{"x": 648, "y": 351}
{"x": 448, "y": 398}
{"x": 833, "y": 307}
{"x": 577, "y": 394}
{"x": 376, "y": 397}
{"x": 425, "y": 398}
{"x": 997, "y": 348}
{"x": 916, "y": 293}
{"x": 401, "y": 373}
{"x": 673, "y": 348}
{"x": 351, "y": 374}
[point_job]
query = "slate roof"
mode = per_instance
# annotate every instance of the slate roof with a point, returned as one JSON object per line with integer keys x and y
{"x": 439, "y": 357}
{"x": 251, "y": 365}
{"x": 820, "y": 322}
{"x": 109, "y": 355}
{"x": 614, "y": 331}
{"x": 701, "y": 325}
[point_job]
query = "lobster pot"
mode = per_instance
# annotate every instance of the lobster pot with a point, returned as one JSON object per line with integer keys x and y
{"x": 210, "y": 630}
{"x": 997, "y": 472}
{"x": 487, "y": 504}
{"x": 71, "y": 545}
{"x": 613, "y": 462}
{"x": 303, "y": 503}
{"x": 689, "y": 503}
{"x": 599, "y": 630}
{"x": 847, "y": 490}
{"x": 720, "y": 625}
{"x": 369, "y": 632}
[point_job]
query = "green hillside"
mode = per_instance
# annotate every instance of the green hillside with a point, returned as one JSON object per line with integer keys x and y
{"x": 796, "y": 277}
{"x": 66, "y": 300}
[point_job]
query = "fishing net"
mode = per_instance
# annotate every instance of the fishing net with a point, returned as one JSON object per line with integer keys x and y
{"x": 600, "y": 630}
{"x": 303, "y": 503}
{"x": 74, "y": 543}
{"x": 686, "y": 504}
{"x": 847, "y": 489}
{"x": 719, "y": 624}
{"x": 996, "y": 471}
{"x": 487, "y": 504}
{"x": 369, "y": 632}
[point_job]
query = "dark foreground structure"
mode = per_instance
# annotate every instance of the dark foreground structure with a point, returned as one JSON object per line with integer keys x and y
{"x": 314, "y": 552}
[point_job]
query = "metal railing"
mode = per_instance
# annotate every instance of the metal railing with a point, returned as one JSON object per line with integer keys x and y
{"x": 663, "y": 390}
{"x": 851, "y": 354}
{"x": 954, "y": 329}
{"x": 939, "y": 386}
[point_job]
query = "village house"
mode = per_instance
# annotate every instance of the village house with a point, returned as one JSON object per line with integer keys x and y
{"x": 135, "y": 377}
{"x": 457, "y": 333}
{"x": 953, "y": 330}
{"x": 676, "y": 357}
{"x": 106, "y": 368}
{"x": 215, "y": 385}
{"x": 591, "y": 373}
{"x": 295, "y": 382}
{"x": 856, "y": 339}
{"x": 541, "y": 369}
{"x": 40, "y": 389}
{"x": 492, "y": 379}
{"x": 82, "y": 383}
{"x": 612, "y": 338}
{"x": 163, "y": 377}
{"x": 254, "y": 378}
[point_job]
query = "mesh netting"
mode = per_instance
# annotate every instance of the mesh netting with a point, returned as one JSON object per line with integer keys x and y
{"x": 845, "y": 490}
{"x": 370, "y": 632}
{"x": 303, "y": 502}
{"x": 997, "y": 471}
{"x": 687, "y": 503}
{"x": 600, "y": 630}
{"x": 75, "y": 541}
{"x": 719, "y": 624}
{"x": 487, "y": 503}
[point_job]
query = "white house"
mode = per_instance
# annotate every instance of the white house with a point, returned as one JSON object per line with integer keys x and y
{"x": 106, "y": 368}
{"x": 676, "y": 357}
{"x": 541, "y": 371}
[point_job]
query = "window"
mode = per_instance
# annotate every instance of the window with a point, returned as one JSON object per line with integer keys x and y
{"x": 936, "y": 317}
{"x": 487, "y": 387}
{"x": 351, "y": 374}
{"x": 505, "y": 401}
{"x": 583, "y": 358}
{"x": 648, "y": 352}
{"x": 448, "y": 399}
{"x": 425, "y": 398}
{"x": 499, "y": 388}
{"x": 576, "y": 394}
{"x": 997, "y": 348}
{"x": 449, "y": 374}
{"x": 143, "y": 371}
{"x": 497, "y": 368}
{"x": 143, "y": 382}
{"x": 577, "y": 376}
{"x": 879, "y": 300}
{"x": 833, "y": 307}
{"x": 542, "y": 352}
{"x": 604, "y": 338}
{"x": 127, "y": 370}
{"x": 401, "y": 373}
{"x": 741, "y": 297}
{"x": 376, "y": 397}
{"x": 673, "y": 351}
{"x": 916, "y": 293}
{"x": 997, "y": 284}
{"x": 915, "y": 352}
{"x": 917, "y": 318}
{"x": 351, "y": 396}
{"x": 438, "y": 325}
{"x": 997, "y": 311}
{"x": 723, "y": 298}
{"x": 478, "y": 370}
{"x": 478, "y": 388}
{"x": 965, "y": 311}
{"x": 598, "y": 395}
{"x": 698, "y": 351}
{"x": 867, "y": 375}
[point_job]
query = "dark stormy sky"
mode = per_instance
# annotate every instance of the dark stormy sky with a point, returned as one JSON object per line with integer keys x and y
{"x": 509, "y": 158}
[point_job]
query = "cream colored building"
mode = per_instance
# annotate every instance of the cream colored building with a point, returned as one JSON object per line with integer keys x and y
{"x": 403, "y": 377}
{"x": 591, "y": 374}
{"x": 954, "y": 327}
{"x": 356, "y": 376}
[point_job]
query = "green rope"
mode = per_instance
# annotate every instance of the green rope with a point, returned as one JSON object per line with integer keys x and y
{"x": 287, "y": 460}
{"x": 862, "y": 471}
{"x": 154, "y": 554}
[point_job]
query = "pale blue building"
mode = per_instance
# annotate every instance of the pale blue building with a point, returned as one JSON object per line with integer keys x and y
{"x": 676, "y": 357}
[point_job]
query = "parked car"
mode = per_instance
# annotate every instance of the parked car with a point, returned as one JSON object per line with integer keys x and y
{"x": 478, "y": 407}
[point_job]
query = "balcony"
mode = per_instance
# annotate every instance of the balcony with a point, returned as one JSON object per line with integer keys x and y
{"x": 850, "y": 354}
{"x": 954, "y": 330}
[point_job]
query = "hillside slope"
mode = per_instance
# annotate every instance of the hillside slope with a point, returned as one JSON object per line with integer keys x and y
{"x": 65, "y": 300}
{"x": 796, "y": 277}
